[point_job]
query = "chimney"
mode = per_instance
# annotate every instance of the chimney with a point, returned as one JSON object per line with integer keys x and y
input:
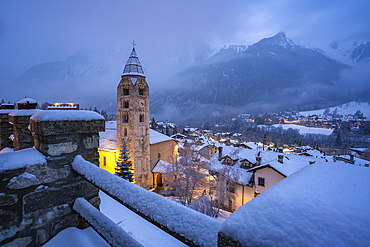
{"x": 258, "y": 160}
{"x": 281, "y": 158}
{"x": 219, "y": 153}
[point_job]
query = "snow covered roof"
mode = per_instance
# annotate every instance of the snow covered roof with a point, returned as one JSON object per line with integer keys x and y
{"x": 320, "y": 205}
{"x": 156, "y": 137}
{"x": 133, "y": 66}
{"x": 108, "y": 140}
{"x": 24, "y": 112}
{"x": 25, "y": 100}
{"x": 61, "y": 115}
{"x": 290, "y": 165}
{"x": 162, "y": 167}
{"x": 111, "y": 125}
{"x": 20, "y": 159}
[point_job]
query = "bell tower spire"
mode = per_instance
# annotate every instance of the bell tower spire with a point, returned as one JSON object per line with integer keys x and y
{"x": 133, "y": 118}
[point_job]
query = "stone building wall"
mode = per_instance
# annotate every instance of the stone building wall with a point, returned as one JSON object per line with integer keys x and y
{"x": 36, "y": 198}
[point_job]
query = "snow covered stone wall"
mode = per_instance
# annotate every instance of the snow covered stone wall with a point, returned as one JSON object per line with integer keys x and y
{"x": 38, "y": 186}
{"x": 6, "y": 129}
{"x": 64, "y": 134}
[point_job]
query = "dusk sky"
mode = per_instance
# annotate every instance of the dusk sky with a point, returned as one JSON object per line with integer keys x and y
{"x": 34, "y": 32}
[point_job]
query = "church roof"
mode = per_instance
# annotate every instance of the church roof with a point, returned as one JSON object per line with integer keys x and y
{"x": 133, "y": 66}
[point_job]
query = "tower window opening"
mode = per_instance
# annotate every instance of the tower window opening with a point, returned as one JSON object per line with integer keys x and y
{"x": 141, "y": 91}
{"x": 125, "y": 118}
{"x": 126, "y": 91}
{"x": 125, "y": 132}
{"x": 141, "y": 132}
{"x": 141, "y": 118}
{"x": 125, "y": 104}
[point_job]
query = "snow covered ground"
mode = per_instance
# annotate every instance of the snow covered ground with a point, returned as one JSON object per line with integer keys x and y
{"x": 141, "y": 230}
{"x": 345, "y": 109}
{"x": 305, "y": 130}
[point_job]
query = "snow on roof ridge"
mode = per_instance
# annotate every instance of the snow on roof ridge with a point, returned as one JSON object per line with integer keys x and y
{"x": 65, "y": 115}
{"x": 156, "y": 137}
{"x": 24, "y": 112}
{"x": 25, "y": 100}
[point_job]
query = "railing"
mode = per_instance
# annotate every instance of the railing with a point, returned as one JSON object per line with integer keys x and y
{"x": 186, "y": 225}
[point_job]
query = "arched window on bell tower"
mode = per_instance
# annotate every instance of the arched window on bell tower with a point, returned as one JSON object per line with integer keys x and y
{"x": 141, "y": 118}
{"x": 125, "y": 131}
{"x": 125, "y": 117}
{"x": 126, "y": 91}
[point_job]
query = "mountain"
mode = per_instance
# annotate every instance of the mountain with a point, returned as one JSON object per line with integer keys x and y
{"x": 272, "y": 74}
{"x": 90, "y": 77}
{"x": 350, "y": 51}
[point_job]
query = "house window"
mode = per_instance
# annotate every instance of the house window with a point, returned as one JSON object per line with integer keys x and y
{"x": 159, "y": 155}
{"x": 261, "y": 182}
{"x": 104, "y": 161}
{"x": 126, "y": 91}
{"x": 141, "y": 118}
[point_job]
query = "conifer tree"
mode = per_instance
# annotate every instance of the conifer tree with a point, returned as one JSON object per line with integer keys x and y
{"x": 124, "y": 165}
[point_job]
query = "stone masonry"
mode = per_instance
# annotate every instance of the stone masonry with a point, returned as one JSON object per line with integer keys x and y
{"x": 36, "y": 201}
{"x": 6, "y": 129}
{"x": 22, "y": 135}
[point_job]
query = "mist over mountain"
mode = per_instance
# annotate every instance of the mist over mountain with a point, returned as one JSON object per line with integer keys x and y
{"x": 271, "y": 75}
{"x": 196, "y": 81}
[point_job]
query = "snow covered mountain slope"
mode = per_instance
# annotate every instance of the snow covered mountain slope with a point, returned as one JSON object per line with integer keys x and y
{"x": 272, "y": 74}
{"x": 345, "y": 109}
{"x": 350, "y": 51}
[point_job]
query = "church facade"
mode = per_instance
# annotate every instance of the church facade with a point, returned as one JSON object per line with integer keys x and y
{"x": 133, "y": 119}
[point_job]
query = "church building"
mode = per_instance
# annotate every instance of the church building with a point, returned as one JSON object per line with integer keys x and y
{"x": 133, "y": 118}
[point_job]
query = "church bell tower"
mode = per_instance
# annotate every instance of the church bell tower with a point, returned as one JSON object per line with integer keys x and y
{"x": 133, "y": 118}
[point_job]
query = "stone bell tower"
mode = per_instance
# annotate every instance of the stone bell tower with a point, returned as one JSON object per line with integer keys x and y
{"x": 133, "y": 118}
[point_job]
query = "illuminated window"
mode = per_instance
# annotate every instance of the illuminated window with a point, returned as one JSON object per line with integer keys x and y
{"x": 261, "y": 182}
{"x": 159, "y": 155}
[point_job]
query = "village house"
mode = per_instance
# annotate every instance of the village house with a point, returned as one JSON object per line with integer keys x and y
{"x": 253, "y": 171}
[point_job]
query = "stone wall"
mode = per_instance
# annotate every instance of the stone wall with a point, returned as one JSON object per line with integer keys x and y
{"x": 36, "y": 201}
{"x": 22, "y": 135}
{"x": 6, "y": 129}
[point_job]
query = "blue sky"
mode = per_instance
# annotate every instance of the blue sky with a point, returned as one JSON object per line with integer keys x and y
{"x": 37, "y": 31}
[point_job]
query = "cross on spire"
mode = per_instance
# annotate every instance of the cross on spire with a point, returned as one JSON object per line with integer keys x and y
{"x": 133, "y": 43}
